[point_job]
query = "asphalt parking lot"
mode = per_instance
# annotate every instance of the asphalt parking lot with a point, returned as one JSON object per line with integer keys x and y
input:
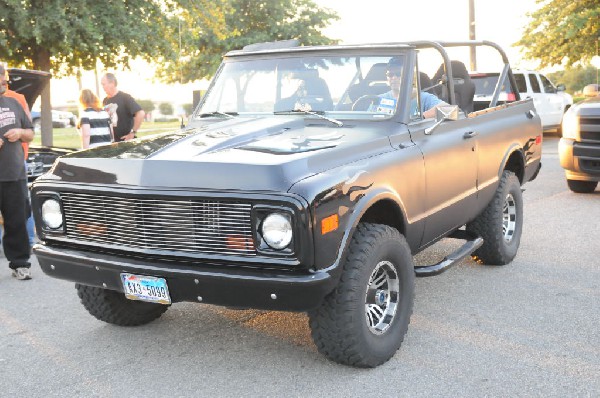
{"x": 528, "y": 329}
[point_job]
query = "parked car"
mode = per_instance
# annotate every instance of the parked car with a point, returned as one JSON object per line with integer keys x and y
{"x": 579, "y": 147}
{"x": 591, "y": 90}
{"x": 60, "y": 119}
{"x": 30, "y": 83}
{"x": 41, "y": 159}
{"x": 551, "y": 102}
{"x": 302, "y": 189}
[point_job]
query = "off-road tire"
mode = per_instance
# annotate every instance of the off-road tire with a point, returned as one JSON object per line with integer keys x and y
{"x": 501, "y": 223}
{"x": 582, "y": 186}
{"x": 341, "y": 327}
{"x": 113, "y": 307}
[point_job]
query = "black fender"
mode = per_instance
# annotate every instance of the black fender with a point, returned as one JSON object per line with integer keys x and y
{"x": 362, "y": 206}
{"x": 513, "y": 155}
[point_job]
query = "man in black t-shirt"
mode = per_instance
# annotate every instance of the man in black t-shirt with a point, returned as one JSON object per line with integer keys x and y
{"x": 15, "y": 128}
{"x": 129, "y": 114}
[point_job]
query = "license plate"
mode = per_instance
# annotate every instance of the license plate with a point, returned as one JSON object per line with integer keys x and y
{"x": 146, "y": 288}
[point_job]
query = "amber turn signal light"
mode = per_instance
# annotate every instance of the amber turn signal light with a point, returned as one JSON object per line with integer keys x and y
{"x": 329, "y": 224}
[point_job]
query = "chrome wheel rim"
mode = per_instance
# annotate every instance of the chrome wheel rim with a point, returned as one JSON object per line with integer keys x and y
{"x": 381, "y": 298}
{"x": 509, "y": 218}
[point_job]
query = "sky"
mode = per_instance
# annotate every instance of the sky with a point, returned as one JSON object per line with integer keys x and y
{"x": 379, "y": 21}
{"x": 361, "y": 21}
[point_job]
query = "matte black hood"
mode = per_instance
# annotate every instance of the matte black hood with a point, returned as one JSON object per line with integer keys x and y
{"x": 30, "y": 83}
{"x": 264, "y": 154}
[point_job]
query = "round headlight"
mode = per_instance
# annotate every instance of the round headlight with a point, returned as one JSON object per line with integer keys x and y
{"x": 51, "y": 214}
{"x": 277, "y": 230}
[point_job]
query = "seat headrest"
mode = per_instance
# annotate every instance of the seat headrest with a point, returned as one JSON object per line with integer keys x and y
{"x": 425, "y": 81}
{"x": 377, "y": 73}
{"x": 459, "y": 70}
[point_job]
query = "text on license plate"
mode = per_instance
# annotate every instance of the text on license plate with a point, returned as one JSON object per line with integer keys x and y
{"x": 146, "y": 288}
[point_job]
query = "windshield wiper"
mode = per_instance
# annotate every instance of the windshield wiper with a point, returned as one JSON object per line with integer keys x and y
{"x": 319, "y": 114}
{"x": 219, "y": 113}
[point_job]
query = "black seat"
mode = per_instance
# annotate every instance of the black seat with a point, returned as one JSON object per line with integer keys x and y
{"x": 318, "y": 90}
{"x": 426, "y": 83}
{"x": 374, "y": 83}
{"x": 464, "y": 88}
{"x": 313, "y": 91}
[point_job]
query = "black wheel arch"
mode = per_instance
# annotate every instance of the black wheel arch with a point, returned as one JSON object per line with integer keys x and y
{"x": 377, "y": 207}
{"x": 515, "y": 162}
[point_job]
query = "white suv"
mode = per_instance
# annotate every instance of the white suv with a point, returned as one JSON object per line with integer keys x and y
{"x": 550, "y": 101}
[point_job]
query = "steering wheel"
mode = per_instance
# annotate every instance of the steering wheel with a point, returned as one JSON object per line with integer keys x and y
{"x": 363, "y": 100}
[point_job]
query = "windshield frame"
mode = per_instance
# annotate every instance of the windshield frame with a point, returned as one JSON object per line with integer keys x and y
{"x": 304, "y": 53}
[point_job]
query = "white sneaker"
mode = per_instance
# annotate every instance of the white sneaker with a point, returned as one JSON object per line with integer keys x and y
{"x": 22, "y": 273}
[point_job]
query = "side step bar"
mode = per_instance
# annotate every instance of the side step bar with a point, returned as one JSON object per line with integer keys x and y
{"x": 473, "y": 242}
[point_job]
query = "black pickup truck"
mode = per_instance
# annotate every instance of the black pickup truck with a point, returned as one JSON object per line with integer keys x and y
{"x": 299, "y": 184}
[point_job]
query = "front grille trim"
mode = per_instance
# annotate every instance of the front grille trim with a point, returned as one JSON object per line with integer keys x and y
{"x": 189, "y": 225}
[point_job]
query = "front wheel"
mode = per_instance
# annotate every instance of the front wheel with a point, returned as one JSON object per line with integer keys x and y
{"x": 501, "y": 223}
{"x": 363, "y": 321}
{"x": 113, "y": 307}
{"x": 582, "y": 186}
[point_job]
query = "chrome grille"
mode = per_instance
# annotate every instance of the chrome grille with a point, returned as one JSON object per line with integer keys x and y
{"x": 589, "y": 128}
{"x": 187, "y": 225}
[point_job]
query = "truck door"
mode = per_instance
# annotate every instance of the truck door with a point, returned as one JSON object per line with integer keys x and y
{"x": 554, "y": 102}
{"x": 540, "y": 100}
{"x": 450, "y": 162}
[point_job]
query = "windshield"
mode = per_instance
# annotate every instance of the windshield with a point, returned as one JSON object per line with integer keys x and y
{"x": 354, "y": 86}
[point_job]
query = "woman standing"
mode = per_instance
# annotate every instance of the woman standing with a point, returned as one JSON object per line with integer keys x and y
{"x": 95, "y": 124}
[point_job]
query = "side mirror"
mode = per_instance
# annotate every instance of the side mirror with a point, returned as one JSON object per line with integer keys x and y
{"x": 560, "y": 87}
{"x": 446, "y": 112}
{"x": 443, "y": 114}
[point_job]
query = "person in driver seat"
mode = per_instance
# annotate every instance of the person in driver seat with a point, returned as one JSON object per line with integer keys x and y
{"x": 387, "y": 102}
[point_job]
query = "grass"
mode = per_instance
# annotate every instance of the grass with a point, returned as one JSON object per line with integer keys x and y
{"x": 69, "y": 137}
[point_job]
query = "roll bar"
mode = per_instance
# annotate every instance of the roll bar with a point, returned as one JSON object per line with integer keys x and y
{"x": 441, "y": 45}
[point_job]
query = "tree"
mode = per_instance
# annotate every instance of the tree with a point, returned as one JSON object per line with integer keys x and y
{"x": 146, "y": 104}
{"x": 64, "y": 35}
{"x": 188, "y": 109}
{"x": 562, "y": 31}
{"x": 240, "y": 22}
{"x": 166, "y": 109}
{"x": 575, "y": 79}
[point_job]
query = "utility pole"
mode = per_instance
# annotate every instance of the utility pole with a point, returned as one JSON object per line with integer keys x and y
{"x": 472, "y": 34}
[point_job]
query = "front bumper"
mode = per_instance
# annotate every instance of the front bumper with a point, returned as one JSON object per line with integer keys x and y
{"x": 245, "y": 288}
{"x": 581, "y": 161}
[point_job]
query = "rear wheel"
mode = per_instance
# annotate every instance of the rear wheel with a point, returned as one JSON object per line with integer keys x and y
{"x": 113, "y": 307}
{"x": 501, "y": 223}
{"x": 363, "y": 321}
{"x": 582, "y": 186}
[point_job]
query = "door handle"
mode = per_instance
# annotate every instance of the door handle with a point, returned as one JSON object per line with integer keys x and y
{"x": 469, "y": 134}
